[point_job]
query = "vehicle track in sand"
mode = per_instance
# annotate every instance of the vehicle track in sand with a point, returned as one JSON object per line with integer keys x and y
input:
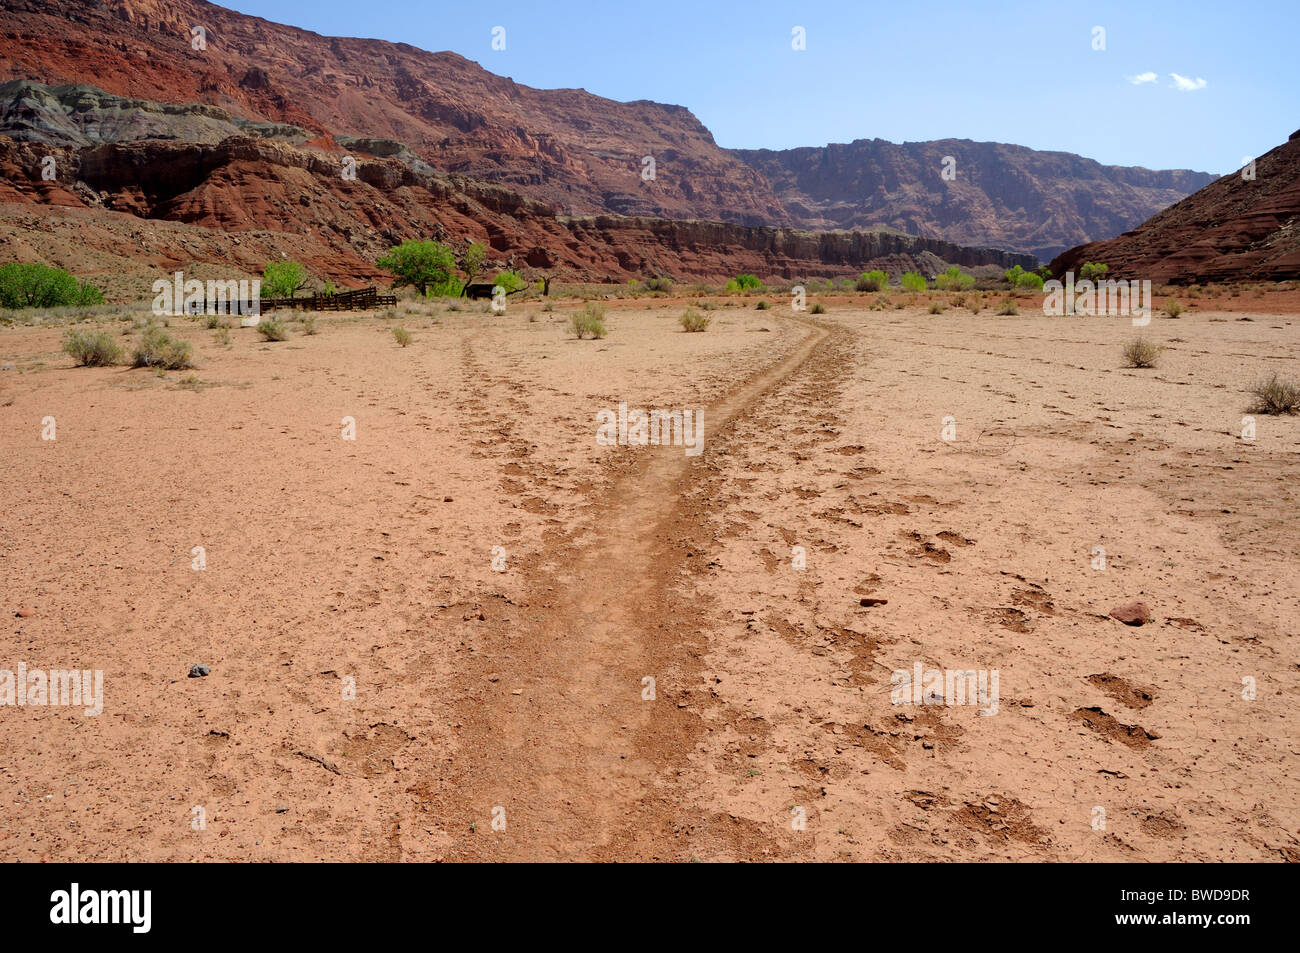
{"x": 578, "y": 759}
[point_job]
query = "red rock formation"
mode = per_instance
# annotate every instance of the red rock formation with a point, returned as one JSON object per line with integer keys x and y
{"x": 1233, "y": 229}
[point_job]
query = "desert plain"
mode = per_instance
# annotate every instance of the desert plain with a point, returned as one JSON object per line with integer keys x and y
{"x": 474, "y": 632}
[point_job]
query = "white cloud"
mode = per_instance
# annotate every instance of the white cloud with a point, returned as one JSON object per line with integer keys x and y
{"x": 1142, "y": 78}
{"x": 1186, "y": 85}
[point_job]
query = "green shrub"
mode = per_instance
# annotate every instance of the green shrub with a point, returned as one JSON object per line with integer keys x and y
{"x": 402, "y": 336}
{"x": 1030, "y": 281}
{"x": 159, "y": 349}
{"x": 1173, "y": 308}
{"x": 590, "y": 321}
{"x": 762, "y": 305}
{"x": 954, "y": 279}
{"x": 273, "y": 329}
{"x": 421, "y": 265}
{"x": 1275, "y": 396}
{"x": 872, "y": 281}
{"x": 1012, "y": 275}
{"x": 913, "y": 281}
{"x": 510, "y": 281}
{"x": 283, "y": 279}
{"x": 691, "y": 321}
{"x": 1093, "y": 271}
{"x": 39, "y": 286}
{"x": 659, "y": 284}
{"x": 92, "y": 348}
{"x": 748, "y": 282}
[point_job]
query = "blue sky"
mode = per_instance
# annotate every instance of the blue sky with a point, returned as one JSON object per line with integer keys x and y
{"x": 1016, "y": 72}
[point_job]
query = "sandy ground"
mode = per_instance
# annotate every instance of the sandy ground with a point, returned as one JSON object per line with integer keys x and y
{"x": 433, "y": 641}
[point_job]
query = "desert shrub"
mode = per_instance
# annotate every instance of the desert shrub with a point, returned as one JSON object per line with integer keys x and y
{"x": 1044, "y": 272}
{"x": 1092, "y": 271}
{"x": 954, "y": 279}
{"x": 590, "y": 321}
{"x": 879, "y": 304}
{"x": 748, "y": 282}
{"x": 762, "y": 305}
{"x": 1275, "y": 396}
{"x": 159, "y": 349}
{"x": 659, "y": 284}
{"x": 875, "y": 280}
{"x": 308, "y": 325}
{"x": 1030, "y": 281}
{"x": 976, "y": 304}
{"x": 33, "y": 285}
{"x": 283, "y": 279}
{"x": 692, "y": 321}
{"x": 913, "y": 281}
{"x": 1173, "y": 308}
{"x": 548, "y": 307}
{"x": 402, "y": 336}
{"x": 1140, "y": 352}
{"x": 422, "y": 265}
{"x": 899, "y": 305}
{"x": 213, "y": 321}
{"x": 1008, "y": 307}
{"x": 222, "y": 337}
{"x": 92, "y": 348}
{"x": 936, "y": 307}
{"x": 818, "y": 308}
{"x": 273, "y": 330}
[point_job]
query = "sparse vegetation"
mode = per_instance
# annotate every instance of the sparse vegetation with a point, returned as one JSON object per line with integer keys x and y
{"x": 936, "y": 307}
{"x": 1275, "y": 396}
{"x": 1008, "y": 306}
{"x": 762, "y": 305}
{"x": 874, "y": 280}
{"x": 590, "y": 321}
{"x": 954, "y": 279}
{"x": 308, "y": 325}
{"x": 692, "y": 321}
{"x": 748, "y": 282}
{"x": 663, "y": 285}
{"x": 159, "y": 349}
{"x": 1172, "y": 308}
{"x": 273, "y": 329}
{"x": 818, "y": 308}
{"x": 402, "y": 337}
{"x": 39, "y": 286}
{"x": 913, "y": 281}
{"x": 221, "y": 337}
{"x": 92, "y": 348}
{"x": 1140, "y": 352}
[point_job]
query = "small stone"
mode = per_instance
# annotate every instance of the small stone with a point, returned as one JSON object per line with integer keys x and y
{"x": 1132, "y": 613}
{"x": 282, "y": 808}
{"x": 198, "y": 671}
{"x": 873, "y": 602}
{"x": 25, "y": 613}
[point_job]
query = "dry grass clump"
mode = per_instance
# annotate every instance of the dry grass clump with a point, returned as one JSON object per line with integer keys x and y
{"x": 92, "y": 348}
{"x": 1008, "y": 306}
{"x": 1140, "y": 352}
{"x": 590, "y": 321}
{"x": 692, "y": 321}
{"x": 1275, "y": 396}
{"x": 402, "y": 337}
{"x": 937, "y": 307}
{"x": 159, "y": 349}
{"x": 762, "y": 305}
{"x": 273, "y": 330}
{"x": 1173, "y": 308}
{"x": 818, "y": 308}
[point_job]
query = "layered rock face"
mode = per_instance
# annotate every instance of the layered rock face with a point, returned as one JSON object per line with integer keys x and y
{"x": 1000, "y": 195}
{"x": 1242, "y": 227}
{"x": 580, "y": 153}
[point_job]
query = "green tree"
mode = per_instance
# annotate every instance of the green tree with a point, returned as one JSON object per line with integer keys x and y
{"x": 472, "y": 260}
{"x": 747, "y": 282}
{"x": 283, "y": 279}
{"x": 33, "y": 285}
{"x": 1093, "y": 271}
{"x": 509, "y": 281}
{"x": 913, "y": 281}
{"x": 420, "y": 264}
{"x": 875, "y": 280}
{"x": 954, "y": 279}
{"x": 1013, "y": 275}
